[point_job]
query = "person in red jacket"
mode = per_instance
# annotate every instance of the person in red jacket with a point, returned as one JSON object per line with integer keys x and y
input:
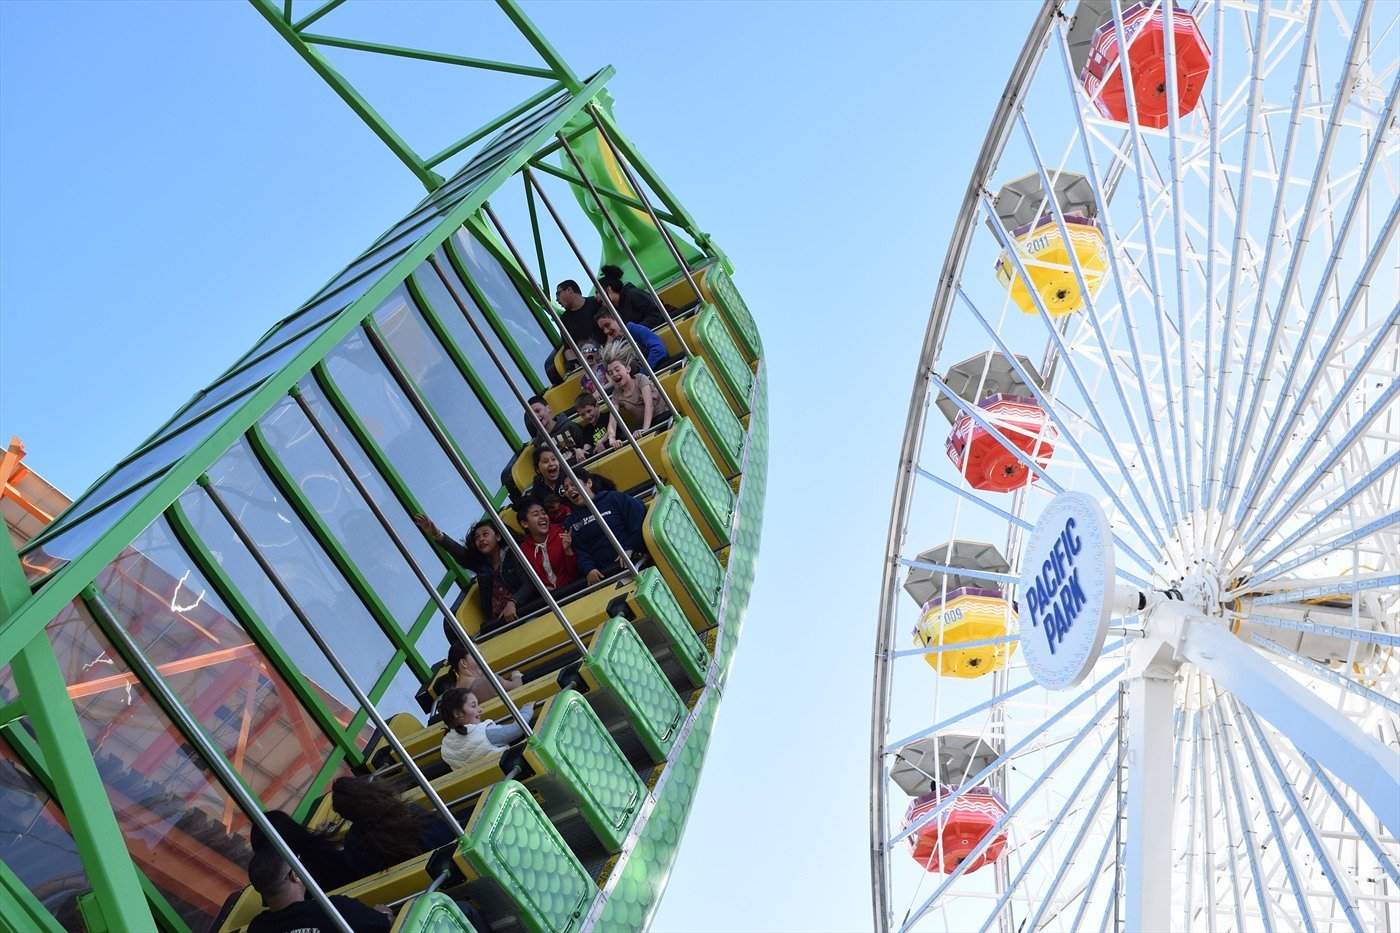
{"x": 547, "y": 546}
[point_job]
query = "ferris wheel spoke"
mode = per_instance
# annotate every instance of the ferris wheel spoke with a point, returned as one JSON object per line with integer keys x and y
{"x": 1051, "y": 408}
{"x": 1354, "y": 436}
{"x": 1012, "y": 752}
{"x": 1090, "y": 301}
{"x": 967, "y": 495}
{"x": 1324, "y": 357}
{"x": 1317, "y": 188}
{"x": 1325, "y": 673}
{"x": 1227, "y": 814}
{"x": 1348, "y": 495}
{"x": 1015, "y": 808}
{"x": 1336, "y": 544}
{"x": 1119, "y": 281}
{"x": 1388, "y": 862}
{"x": 993, "y": 431}
{"x": 1091, "y": 815}
{"x": 1224, "y": 747}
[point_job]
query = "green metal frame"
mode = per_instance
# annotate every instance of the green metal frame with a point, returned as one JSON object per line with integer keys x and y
{"x": 334, "y": 550}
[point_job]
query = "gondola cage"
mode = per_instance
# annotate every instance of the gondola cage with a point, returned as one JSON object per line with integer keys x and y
{"x": 984, "y": 460}
{"x": 1047, "y": 255}
{"x": 967, "y": 615}
{"x": 948, "y": 840}
{"x": 1145, "y": 31}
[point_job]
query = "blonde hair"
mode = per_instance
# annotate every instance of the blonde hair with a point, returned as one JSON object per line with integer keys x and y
{"x": 618, "y": 351}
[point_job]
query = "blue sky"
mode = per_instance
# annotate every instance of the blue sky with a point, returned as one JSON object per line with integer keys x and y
{"x": 173, "y": 179}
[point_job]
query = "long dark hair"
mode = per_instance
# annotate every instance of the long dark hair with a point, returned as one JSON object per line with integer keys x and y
{"x": 298, "y": 838}
{"x": 451, "y": 704}
{"x": 385, "y": 821}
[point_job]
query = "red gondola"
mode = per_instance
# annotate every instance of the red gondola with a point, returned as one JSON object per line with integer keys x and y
{"x": 986, "y": 463}
{"x": 1145, "y": 33}
{"x": 948, "y": 839}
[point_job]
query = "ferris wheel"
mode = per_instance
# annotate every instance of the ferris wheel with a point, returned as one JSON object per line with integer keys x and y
{"x": 1138, "y": 652}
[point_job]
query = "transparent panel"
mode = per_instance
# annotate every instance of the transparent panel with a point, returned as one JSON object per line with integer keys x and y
{"x": 319, "y": 589}
{"x": 499, "y": 288}
{"x": 54, "y": 552}
{"x": 341, "y": 506}
{"x": 35, "y": 842}
{"x": 447, "y": 311}
{"x": 246, "y": 378}
{"x": 397, "y": 430}
{"x": 271, "y": 609}
{"x": 182, "y": 829}
{"x": 440, "y": 382}
{"x": 207, "y": 658}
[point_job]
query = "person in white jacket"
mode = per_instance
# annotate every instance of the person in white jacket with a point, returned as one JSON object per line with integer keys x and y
{"x": 469, "y": 738}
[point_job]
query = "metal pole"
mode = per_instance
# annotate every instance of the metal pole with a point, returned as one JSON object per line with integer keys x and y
{"x": 194, "y": 732}
{"x": 597, "y": 285}
{"x": 411, "y": 391}
{"x": 1147, "y": 861}
{"x": 646, "y": 202}
{"x": 568, "y": 337}
{"x": 306, "y": 623}
{"x": 617, "y": 231}
{"x": 530, "y": 412}
{"x": 403, "y": 550}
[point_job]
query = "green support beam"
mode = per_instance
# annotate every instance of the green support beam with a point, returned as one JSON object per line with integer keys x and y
{"x": 20, "y": 909}
{"x": 77, "y": 785}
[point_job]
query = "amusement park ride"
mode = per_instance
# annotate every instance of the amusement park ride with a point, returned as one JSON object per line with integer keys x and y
{"x": 244, "y": 609}
{"x": 1163, "y": 621}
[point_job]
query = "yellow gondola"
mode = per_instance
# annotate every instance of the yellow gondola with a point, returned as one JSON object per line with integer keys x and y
{"x": 1047, "y": 262}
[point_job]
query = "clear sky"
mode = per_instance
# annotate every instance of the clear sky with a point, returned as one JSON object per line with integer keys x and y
{"x": 173, "y": 180}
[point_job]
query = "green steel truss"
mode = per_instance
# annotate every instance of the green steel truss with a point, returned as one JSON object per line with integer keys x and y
{"x": 62, "y": 566}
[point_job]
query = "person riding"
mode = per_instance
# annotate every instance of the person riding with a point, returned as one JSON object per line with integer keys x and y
{"x": 647, "y": 341}
{"x": 503, "y": 588}
{"x": 384, "y": 830}
{"x": 289, "y": 910}
{"x": 634, "y": 396}
{"x": 634, "y": 304}
{"x": 548, "y": 486}
{"x": 623, "y": 514}
{"x": 578, "y": 312}
{"x": 464, "y": 672}
{"x": 571, "y": 437}
{"x": 547, "y": 546}
{"x": 469, "y": 738}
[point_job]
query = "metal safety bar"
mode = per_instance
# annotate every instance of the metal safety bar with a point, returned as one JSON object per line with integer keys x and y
{"x": 646, "y": 201}
{"x": 568, "y": 337}
{"x": 617, "y": 232}
{"x": 403, "y": 550}
{"x": 598, "y": 287}
{"x": 266, "y": 566}
{"x": 530, "y": 413}
{"x": 416, "y": 400}
{"x": 232, "y": 783}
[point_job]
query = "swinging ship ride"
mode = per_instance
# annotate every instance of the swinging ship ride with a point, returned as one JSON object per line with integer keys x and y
{"x": 243, "y": 609}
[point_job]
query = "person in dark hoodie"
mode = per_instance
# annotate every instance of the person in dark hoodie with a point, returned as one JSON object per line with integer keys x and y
{"x": 634, "y": 304}
{"x": 593, "y": 552}
{"x": 290, "y": 910}
{"x": 315, "y": 849}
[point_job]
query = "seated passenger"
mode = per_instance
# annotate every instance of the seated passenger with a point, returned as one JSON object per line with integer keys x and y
{"x": 547, "y": 547}
{"x": 469, "y": 738}
{"x": 384, "y": 830}
{"x": 624, "y": 515}
{"x": 503, "y": 589}
{"x": 314, "y": 848}
{"x": 571, "y": 437}
{"x": 634, "y": 397}
{"x": 289, "y": 909}
{"x": 595, "y": 380}
{"x": 548, "y": 487}
{"x": 463, "y": 672}
{"x": 650, "y": 344}
{"x": 594, "y": 422}
{"x": 578, "y": 312}
{"x": 634, "y": 304}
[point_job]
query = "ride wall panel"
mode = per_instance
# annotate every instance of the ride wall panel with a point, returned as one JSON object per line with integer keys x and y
{"x": 621, "y": 663}
{"x": 659, "y": 603}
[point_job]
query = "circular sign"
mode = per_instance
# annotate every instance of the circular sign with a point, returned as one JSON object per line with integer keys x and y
{"x": 1066, "y": 573}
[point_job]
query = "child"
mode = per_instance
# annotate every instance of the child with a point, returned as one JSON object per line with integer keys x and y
{"x": 547, "y": 546}
{"x": 595, "y": 379}
{"x": 623, "y": 514}
{"x": 594, "y": 422}
{"x": 463, "y": 671}
{"x": 468, "y": 738}
{"x": 548, "y": 486}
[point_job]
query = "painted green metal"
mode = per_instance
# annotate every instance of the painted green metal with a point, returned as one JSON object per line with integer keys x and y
{"x": 541, "y": 45}
{"x": 65, "y": 583}
{"x": 243, "y": 613}
{"x": 291, "y": 490}
{"x": 20, "y": 909}
{"x": 675, "y": 533}
{"x": 491, "y": 126}
{"x": 511, "y": 841}
{"x": 660, "y": 606}
{"x": 736, "y": 312}
{"x": 748, "y": 529}
{"x": 443, "y": 58}
{"x": 486, "y": 235}
{"x": 433, "y": 913}
{"x": 714, "y": 415}
{"x": 526, "y": 366}
{"x": 612, "y": 195}
{"x": 725, "y": 359}
{"x": 621, "y": 663}
{"x": 77, "y": 785}
{"x": 372, "y": 451}
{"x": 433, "y": 318}
{"x": 695, "y": 470}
